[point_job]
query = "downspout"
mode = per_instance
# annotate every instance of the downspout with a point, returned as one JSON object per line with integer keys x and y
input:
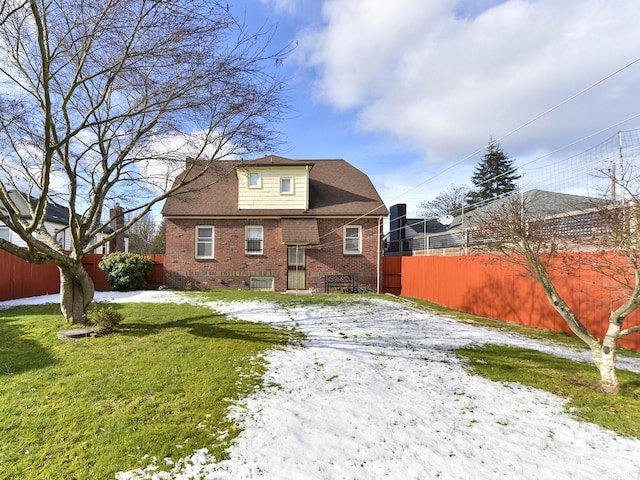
{"x": 379, "y": 257}
{"x": 306, "y": 201}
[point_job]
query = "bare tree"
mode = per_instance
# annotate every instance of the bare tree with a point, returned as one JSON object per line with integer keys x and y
{"x": 159, "y": 243}
{"x": 545, "y": 246}
{"x": 99, "y": 102}
{"x": 142, "y": 234}
{"x": 448, "y": 202}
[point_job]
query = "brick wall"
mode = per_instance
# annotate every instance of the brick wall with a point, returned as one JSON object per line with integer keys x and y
{"x": 232, "y": 268}
{"x": 328, "y": 258}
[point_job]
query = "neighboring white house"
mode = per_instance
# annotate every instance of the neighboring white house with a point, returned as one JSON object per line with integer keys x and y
{"x": 57, "y": 224}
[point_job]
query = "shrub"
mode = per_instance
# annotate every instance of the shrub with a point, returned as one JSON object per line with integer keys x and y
{"x": 105, "y": 319}
{"x": 126, "y": 271}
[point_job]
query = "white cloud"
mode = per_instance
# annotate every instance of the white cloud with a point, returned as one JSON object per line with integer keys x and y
{"x": 445, "y": 79}
{"x": 281, "y": 6}
{"x": 164, "y": 158}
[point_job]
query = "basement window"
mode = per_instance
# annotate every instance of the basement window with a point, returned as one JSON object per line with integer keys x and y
{"x": 261, "y": 283}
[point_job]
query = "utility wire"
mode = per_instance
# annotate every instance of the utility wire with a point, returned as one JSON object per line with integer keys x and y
{"x": 508, "y": 134}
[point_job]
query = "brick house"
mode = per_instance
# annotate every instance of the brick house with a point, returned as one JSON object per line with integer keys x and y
{"x": 274, "y": 224}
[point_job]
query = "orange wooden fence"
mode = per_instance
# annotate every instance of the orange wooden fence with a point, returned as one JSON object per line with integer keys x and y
{"x": 476, "y": 284}
{"x": 20, "y": 279}
{"x": 484, "y": 285}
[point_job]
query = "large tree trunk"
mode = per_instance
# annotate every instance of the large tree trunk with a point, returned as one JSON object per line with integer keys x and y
{"x": 76, "y": 293}
{"x": 604, "y": 357}
{"x": 603, "y": 352}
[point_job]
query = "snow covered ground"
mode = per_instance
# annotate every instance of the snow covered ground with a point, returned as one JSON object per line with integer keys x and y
{"x": 375, "y": 393}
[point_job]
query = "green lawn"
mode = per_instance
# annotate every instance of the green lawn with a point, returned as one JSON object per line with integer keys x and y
{"x": 160, "y": 386}
{"x": 576, "y": 381}
{"x": 90, "y": 407}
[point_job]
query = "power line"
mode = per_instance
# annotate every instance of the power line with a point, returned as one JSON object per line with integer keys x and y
{"x": 508, "y": 134}
{"x": 526, "y": 124}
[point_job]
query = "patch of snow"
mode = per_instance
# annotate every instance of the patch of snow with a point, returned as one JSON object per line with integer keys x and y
{"x": 375, "y": 392}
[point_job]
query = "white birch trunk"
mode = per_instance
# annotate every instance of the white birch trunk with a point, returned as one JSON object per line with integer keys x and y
{"x": 604, "y": 357}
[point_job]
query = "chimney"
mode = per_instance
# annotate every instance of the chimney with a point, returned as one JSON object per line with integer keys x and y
{"x": 117, "y": 221}
{"x": 397, "y": 224}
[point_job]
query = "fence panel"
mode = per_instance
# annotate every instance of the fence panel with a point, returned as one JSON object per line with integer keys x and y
{"x": 487, "y": 285}
{"x": 392, "y": 275}
{"x": 20, "y": 279}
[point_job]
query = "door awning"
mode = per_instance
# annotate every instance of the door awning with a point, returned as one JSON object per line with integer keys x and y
{"x": 300, "y": 231}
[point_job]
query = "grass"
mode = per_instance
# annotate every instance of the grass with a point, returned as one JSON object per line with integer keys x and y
{"x": 578, "y": 382}
{"x": 88, "y": 408}
{"x": 161, "y": 385}
{"x": 532, "y": 332}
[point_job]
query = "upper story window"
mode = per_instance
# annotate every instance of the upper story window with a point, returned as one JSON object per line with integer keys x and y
{"x": 5, "y": 233}
{"x": 286, "y": 185}
{"x": 204, "y": 242}
{"x": 253, "y": 239}
{"x": 352, "y": 239}
{"x": 255, "y": 180}
{"x": 273, "y": 187}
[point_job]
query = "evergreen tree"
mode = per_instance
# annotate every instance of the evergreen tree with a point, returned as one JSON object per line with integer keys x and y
{"x": 493, "y": 177}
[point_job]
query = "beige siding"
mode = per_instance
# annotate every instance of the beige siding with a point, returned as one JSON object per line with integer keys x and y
{"x": 268, "y": 194}
{"x": 52, "y": 228}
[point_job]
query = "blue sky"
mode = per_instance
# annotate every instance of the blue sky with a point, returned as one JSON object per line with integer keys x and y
{"x": 410, "y": 91}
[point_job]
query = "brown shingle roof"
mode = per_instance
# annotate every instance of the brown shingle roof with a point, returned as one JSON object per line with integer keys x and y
{"x": 336, "y": 188}
{"x": 303, "y": 231}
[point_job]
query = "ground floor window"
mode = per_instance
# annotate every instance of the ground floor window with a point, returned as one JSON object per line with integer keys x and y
{"x": 204, "y": 242}
{"x": 253, "y": 240}
{"x": 261, "y": 283}
{"x": 352, "y": 239}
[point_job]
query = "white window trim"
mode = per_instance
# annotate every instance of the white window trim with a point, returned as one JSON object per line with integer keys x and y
{"x": 258, "y": 184}
{"x": 197, "y": 241}
{"x": 246, "y": 231}
{"x": 344, "y": 243}
{"x": 291, "y": 183}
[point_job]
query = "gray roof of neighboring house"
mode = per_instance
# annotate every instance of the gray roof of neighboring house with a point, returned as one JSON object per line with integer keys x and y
{"x": 539, "y": 203}
{"x": 55, "y": 213}
{"x": 420, "y": 226}
{"x": 336, "y": 188}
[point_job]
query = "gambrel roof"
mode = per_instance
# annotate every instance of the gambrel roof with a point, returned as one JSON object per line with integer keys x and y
{"x": 336, "y": 188}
